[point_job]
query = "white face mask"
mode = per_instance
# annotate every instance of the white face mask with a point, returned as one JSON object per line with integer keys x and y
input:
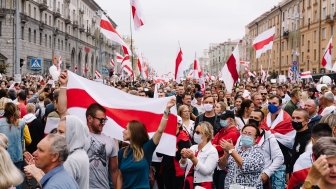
{"x": 197, "y": 138}
{"x": 208, "y": 107}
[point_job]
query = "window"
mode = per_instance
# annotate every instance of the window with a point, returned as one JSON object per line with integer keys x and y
{"x": 45, "y": 18}
{"x": 302, "y": 40}
{"x": 34, "y": 12}
{"x": 29, "y": 35}
{"x": 331, "y": 30}
{"x": 315, "y": 36}
{"x": 40, "y": 38}
{"x": 323, "y": 33}
{"x": 58, "y": 44}
{"x": 49, "y": 41}
{"x": 62, "y": 45}
{"x": 45, "y": 40}
{"x": 0, "y": 28}
{"x": 22, "y": 32}
{"x": 50, "y": 20}
{"x": 29, "y": 10}
{"x": 34, "y": 36}
{"x": 324, "y": 12}
{"x": 302, "y": 56}
{"x": 314, "y": 54}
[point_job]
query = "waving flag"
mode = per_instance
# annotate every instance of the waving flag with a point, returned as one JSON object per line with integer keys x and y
{"x": 326, "y": 59}
{"x": 97, "y": 74}
{"x": 110, "y": 32}
{"x": 119, "y": 58}
{"x": 306, "y": 75}
{"x": 230, "y": 71}
{"x": 126, "y": 66}
{"x": 121, "y": 108}
{"x": 136, "y": 12}
{"x": 197, "y": 70}
{"x": 264, "y": 42}
{"x": 112, "y": 64}
{"x": 178, "y": 66}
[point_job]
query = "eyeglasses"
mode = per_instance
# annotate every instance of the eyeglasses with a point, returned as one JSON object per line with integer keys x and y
{"x": 101, "y": 120}
{"x": 263, "y": 93}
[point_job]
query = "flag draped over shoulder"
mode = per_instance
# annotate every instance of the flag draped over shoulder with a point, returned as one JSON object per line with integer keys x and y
{"x": 230, "y": 71}
{"x": 121, "y": 108}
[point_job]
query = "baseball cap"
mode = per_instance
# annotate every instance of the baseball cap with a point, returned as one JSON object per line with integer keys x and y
{"x": 227, "y": 114}
{"x": 198, "y": 94}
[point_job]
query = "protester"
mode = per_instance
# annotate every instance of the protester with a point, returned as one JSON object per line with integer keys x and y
{"x": 187, "y": 124}
{"x": 243, "y": 113}
{"x": 10, "y": 175}
{"x": 244, "y": 164}
{"x": 311, "y": 107}
{"x": 201, "y": 159}
{"x": 209, "y": 115}
{"x": 135, "y": 159}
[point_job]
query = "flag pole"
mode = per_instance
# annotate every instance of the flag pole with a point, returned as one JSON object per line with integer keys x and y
{"x": 132, "y": 59}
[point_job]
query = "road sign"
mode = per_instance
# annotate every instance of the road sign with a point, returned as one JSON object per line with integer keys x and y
{"x": 36, "y": 63}
{"x": 105, "y": 70}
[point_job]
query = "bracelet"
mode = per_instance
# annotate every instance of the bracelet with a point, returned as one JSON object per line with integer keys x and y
{"x": 63, "y": 87}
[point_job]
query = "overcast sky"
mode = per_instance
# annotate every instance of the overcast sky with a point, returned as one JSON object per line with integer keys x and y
{"x": 194, "y": 23}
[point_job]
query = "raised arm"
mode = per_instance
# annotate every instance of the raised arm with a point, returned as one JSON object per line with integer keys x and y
{"x": 163, "y": 123}
{"x": 62, "y": 96}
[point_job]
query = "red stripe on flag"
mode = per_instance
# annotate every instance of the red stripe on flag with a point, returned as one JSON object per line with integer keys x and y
{"x": 105, "y": 24}
{"x": 122, "y": 116}
{"x": 261, "y": 44}
{"x": 178, "y": 62}
{"x": 232, "y": 67}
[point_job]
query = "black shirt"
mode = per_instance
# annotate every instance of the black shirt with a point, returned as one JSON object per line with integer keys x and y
{"x": 300, "y": 142}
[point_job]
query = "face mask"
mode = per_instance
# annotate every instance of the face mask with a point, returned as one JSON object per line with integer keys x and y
{"x": 197, "y": 138}
{"x": 273, "y": 92}
{"x": 272, "y": 108}
{"x": 254, "y": 122}
{"x": 297, "y": 125}
{"x": 208, "y": 107}
{"x": 246, "y": 141}
{"x": 223, "y": 123}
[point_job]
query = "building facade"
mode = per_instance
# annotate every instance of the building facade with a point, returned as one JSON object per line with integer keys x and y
{"x": 303, "y": 29}
{"x": 50, "y": 29}
{"x": 218, "y": 55}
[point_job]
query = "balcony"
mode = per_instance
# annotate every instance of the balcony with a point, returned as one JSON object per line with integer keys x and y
{"x": 285, "y": 34}
{"x": 56, "y": 31}
{"x": 75, "y": 24}
{"x": 82, "y": 28}
{"x": 67, "y": 20}
{"x": 41, "y": 26}
{"x": 24, "y": 18}
{"x": 329, "y": 19}
{"x": 66, "y": 36}
{"x": 2, "y": 13}
{"x": 43, "y": 5}
{"x": 57, "y": 13}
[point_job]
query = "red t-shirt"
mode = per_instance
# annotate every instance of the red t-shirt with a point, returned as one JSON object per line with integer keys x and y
{"x": 231, "y": 133}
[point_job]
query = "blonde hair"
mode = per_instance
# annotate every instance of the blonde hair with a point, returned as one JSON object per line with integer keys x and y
{"x": 3, "y": 141}
{"x": 207, "y": 129}
{"x": 9, "y": 174}
{"x": 31, "y": 108}
{"x": 138, "y": 138}
{"x": 181, "y": 108}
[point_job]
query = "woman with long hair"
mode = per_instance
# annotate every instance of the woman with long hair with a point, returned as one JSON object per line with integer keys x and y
{"x": 200, "y": 160}
{"x": 243, "y": 113}
{"x": 187, "y": 123}
{"x": 135, "y": 159}
{"x": 220, "y": 108}
{"x": 13, "y": 127}
{"x": 10, "y": 176}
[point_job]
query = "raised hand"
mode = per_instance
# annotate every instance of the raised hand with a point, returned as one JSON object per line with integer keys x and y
{"x": 29, "y": 158}
{"x": 63, "y": 78}
{"x": 171, "y": 103}
{"x": 226, "y": 145}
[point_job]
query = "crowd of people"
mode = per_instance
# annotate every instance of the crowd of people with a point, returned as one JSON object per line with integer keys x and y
{"x": 260, "y": 135}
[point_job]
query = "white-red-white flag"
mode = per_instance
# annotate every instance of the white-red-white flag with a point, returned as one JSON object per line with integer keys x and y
{"x": 327, "y": 58}
{"x": 126, "y": 66}
{"x": 197, "y": 70}
{"x": 179, "y": 66}
{"x": 119, "y": 58}
{"x": 264, "y": 42}
{"x": 97, "y": 74}
{"x": 137, "y": 14}
{"x": 306, "y": 75}
{"x": 230, "y": 71}
{"x": 139, "y": 66}
{"x": 110, "y": 32}
{"x": 119, "y": 112}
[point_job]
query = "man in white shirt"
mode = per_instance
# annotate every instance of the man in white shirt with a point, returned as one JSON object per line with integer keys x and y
{"x": 328, "y": 101}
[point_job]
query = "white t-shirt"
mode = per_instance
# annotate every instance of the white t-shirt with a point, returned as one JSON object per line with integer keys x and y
{"x": 101, "y": 149}
{"x": 328, "y": 110}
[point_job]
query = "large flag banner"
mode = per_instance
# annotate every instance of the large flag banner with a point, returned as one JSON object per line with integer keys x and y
{"x": 137, "y": 15}
{"x": 327, "y": 59}
{"x": 110, "y": 32}
{"x": 230, "y": 71}
{"x": 306, "y": 75}
{"x": 178, "y": 66}
{"x": 121, "y": 108}
{"x": 264, "y": 42}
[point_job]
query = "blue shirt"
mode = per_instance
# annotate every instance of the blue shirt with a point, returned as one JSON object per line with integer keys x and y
{"x": 15, "y": 139}
{"x": 58, "y": 178}
{"x": 136, "y": 173}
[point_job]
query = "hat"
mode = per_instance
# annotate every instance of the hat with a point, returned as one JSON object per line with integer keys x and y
{"x": 198, "y": 94}
{"x": 227, "y": 114}
{"x": 29, "y": 117}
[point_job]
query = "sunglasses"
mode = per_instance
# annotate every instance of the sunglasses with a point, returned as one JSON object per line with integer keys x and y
{"x": 101, "y": 120}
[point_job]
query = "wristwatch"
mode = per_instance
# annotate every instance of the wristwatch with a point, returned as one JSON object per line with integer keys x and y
{"x": 308, "y": 185}
{"x": 231, "y": 151}
{"x": 166, "y": 112}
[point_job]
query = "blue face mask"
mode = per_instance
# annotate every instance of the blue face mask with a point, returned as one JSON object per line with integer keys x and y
{"x": 246, "y": 141}
{"x": 223, "y": 123}
{"x": 272, "y": 108}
